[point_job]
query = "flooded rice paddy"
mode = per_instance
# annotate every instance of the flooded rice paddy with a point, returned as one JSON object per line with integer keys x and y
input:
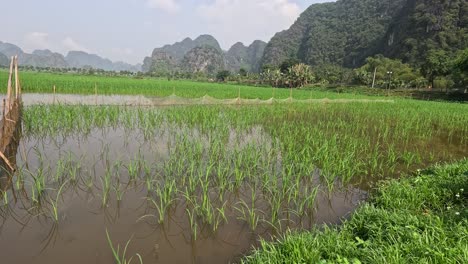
{"x": 82, "y": 163}
{"x": 200, "y": 184}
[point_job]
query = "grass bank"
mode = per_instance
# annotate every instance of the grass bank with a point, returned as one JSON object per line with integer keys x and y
{"x": 418, "y": 219}
{"x": 454, "y": 95}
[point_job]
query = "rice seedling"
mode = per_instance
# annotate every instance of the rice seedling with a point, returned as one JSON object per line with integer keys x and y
{"x": 119, "y": 192}
{"x": 106, "y": 183}
{"x": 165, "y": 198}
{"x": 275, "y": 202}
{"x": 307, "y": 204}
{"x": 121, "y": 257}
{"x": 73, "y": 172}
{"x": 19, "y": 182}
{"x": 38, "y": 186}
{"x": 55, "y": 202}
{"x": 193, "y": 223}
{"x": 220, "y": 216}
{"x": 249, "y": 213}
{"x": 60, "y": 169}
{"x": 5, "y": 198}
{"x": 133, "y": 169}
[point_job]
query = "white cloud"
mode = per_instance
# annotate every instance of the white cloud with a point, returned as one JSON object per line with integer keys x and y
{"x": 245, "y": 10}
{"x": 70, "y": 44}
{"x": 37, "y": 40}
{"x": 247, "y": 20}
{"x": 170, "y": 6}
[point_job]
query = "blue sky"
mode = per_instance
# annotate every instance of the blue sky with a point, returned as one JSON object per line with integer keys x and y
{"x": 128, "y": 30}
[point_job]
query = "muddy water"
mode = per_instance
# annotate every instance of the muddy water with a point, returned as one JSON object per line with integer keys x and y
{"x": 29, "y": 234}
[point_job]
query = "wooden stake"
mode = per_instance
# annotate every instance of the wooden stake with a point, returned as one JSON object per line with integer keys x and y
{"x": 95, "y": 93}
{"x": 373, "y": 80}
{"x": 54, "y": 96}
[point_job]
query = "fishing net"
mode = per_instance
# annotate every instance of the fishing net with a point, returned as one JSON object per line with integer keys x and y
{"x": 125, "y": 100}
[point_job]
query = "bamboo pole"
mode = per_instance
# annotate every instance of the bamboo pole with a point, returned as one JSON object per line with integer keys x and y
{"x": 19, "y": 88}
{"x": 3, "y": 117}
{"x": 8, "y": 104}
{"x": 9, "y": 83}
{"x": 16, "y": 78}
{"x": 7, "y": 161}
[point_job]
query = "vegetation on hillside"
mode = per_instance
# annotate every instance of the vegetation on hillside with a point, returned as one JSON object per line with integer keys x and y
{"x": 345, "y": 33}
{"x": 425, "y": 26}
{"x": 171, "y": 59}
{"x": 204, "y": 59}
{"x": 342, "y": 33}
{"x": 247, "y": 58}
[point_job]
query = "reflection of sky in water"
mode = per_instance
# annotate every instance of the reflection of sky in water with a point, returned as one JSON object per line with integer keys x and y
{"x": 28, "y": 235}
{"x": 34, "y": 99}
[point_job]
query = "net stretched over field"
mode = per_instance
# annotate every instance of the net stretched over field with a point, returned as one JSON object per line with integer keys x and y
{"x": 129, "y": 100}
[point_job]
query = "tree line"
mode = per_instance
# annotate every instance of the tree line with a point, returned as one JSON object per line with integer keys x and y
{"x": 438, "y": 71}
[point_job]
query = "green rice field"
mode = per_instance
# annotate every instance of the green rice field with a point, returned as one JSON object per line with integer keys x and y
{"x": 38, "y": 82}
{"x": 207, "y": 184}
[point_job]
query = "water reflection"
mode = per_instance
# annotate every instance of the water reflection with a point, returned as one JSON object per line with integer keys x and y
{"x": 137, "y": 166}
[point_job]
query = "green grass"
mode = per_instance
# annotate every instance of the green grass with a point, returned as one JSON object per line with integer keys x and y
{"x": 39, "y": 82}
{"x": 419, "y": 219}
